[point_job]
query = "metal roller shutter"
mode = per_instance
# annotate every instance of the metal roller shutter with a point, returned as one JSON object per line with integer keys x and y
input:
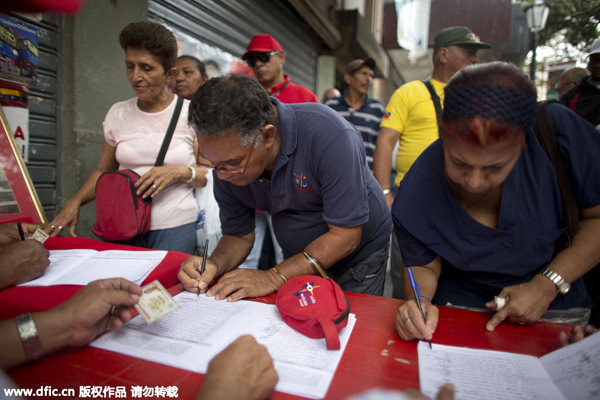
{"x": 229, "y": 25}
{"x": 43, "y": 115}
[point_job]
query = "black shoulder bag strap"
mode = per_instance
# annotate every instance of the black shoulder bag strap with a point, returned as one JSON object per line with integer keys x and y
{"x": 167, "y": 140}
{"x": 436, "y": 103}
{"x": 545, "y": 135}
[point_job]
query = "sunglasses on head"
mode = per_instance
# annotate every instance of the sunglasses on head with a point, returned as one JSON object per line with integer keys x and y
{"x": 262, "y": 57}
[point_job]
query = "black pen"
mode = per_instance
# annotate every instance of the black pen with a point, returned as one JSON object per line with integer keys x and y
{"x": 203, "y": 265}
{"x": 415, "y": 287}
{"x": 21, "y": 233}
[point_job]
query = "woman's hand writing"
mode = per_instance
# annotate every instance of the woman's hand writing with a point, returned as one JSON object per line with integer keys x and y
{"x": 409, "y": 322}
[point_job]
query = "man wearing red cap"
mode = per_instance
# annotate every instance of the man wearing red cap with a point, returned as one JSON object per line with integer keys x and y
{"x": 266, "y": 58}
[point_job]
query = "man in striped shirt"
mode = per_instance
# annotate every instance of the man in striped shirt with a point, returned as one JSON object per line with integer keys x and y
{"x": 357, "y": 107}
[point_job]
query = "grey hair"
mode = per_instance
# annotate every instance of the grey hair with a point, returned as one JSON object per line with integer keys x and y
{"x": 232, "y": 104}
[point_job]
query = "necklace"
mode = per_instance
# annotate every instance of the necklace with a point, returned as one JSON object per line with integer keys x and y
{"x": 473, "y": 203}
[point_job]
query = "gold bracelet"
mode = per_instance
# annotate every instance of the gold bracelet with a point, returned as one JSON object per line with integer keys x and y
{"x": 316, "y": 266}
{"x": 279, "y": 273}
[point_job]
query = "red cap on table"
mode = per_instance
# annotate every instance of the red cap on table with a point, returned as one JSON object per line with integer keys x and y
{"x": 315, "y": 307}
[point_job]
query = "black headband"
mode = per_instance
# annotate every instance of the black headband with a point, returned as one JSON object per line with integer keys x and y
{"x": 505, "y": 104}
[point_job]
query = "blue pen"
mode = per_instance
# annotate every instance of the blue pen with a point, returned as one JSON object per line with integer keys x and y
{"x": 415, "y": 287}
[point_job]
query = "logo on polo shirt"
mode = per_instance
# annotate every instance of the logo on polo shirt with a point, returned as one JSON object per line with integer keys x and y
{"x": 305, "y": 299}
{"x": 301, "y": 181}
{"x": 387, "y": 113}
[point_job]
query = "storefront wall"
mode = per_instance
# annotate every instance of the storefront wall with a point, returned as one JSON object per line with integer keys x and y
{"x": 228, "y": 25}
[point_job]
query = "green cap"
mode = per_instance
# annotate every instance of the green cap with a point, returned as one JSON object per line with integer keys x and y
{"x": 458, "y": 35}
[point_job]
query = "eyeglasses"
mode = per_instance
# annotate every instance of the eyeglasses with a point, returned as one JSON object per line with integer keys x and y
{"x": 262, "y": 57}
{"x": 230, "y": 171}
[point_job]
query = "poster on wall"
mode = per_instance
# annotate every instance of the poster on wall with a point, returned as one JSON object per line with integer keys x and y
{"x": 18, "y": 50}
{"x": 18, "y": 199}
{"x": 216, "y": 61}
{"x": 13, "y": 99}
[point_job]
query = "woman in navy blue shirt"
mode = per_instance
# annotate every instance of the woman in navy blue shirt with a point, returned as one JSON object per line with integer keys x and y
{"x": 479, "y": 212}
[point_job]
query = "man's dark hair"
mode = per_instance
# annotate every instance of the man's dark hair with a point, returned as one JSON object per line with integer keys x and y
{"x": 152, "y": 37}
{"x": 199, "y": 64}
{"x": 231, "y": 103}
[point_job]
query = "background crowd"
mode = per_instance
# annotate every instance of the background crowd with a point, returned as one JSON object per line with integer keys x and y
{"x": 470, "y": 200}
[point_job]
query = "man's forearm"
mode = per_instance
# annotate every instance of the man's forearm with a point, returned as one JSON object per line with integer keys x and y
{"x": 382, "y": 156}
{"x": 52, "y": 336}
{"x": 327, "y": 249}
{"x": 382, "y": 164}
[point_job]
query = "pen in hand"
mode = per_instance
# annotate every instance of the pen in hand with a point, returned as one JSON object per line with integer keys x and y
{"x": 20, "y": 228}
{"x": 415, "y": 287}
{"x": 203, "y": 265}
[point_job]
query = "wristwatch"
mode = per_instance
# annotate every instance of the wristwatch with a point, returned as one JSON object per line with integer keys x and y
{"x": 562, "y": 285}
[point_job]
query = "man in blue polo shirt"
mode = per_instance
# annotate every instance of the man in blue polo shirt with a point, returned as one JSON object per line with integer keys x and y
{"x": 357, "y": 107}
{"x": 304, "y": 165}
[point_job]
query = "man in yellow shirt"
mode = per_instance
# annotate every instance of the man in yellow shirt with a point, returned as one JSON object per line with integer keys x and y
{"x": 412, "y": 116}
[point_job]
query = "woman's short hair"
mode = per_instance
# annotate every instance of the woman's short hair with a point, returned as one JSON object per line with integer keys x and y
{"x": 199, "y": 64}
{"x": 152, "y": 37}
{"x": 499, "y": 93}
{"x": 232, "y": 104}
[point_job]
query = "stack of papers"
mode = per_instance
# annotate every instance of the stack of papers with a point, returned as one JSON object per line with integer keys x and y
{"x": 80, "y": 267}
{"x": 568, "y": 373}
{"x": 191, "y": 336}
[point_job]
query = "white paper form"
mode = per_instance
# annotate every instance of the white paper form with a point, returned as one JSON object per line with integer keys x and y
{"x": 304, "y": 365}
{"x": 191, "y": 336}
{"x": 483, "y": 374}
{"x": 61, "y": 262}
{"x": 80, "y": 267}
{"x": 575, "y": 369}
{"x": 187, "y": 338}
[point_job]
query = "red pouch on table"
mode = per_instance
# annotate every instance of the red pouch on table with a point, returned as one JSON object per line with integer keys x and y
{"x": 315, "y": 307}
